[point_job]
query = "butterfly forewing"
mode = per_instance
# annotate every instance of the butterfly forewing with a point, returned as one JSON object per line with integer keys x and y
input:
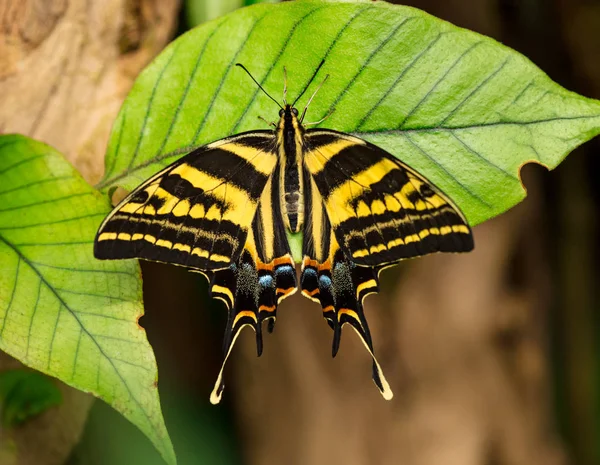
{"x": 197, "y": 211}
{"x": 381, "y": 210}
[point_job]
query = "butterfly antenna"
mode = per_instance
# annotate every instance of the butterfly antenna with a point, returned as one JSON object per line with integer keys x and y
{"x": 284, "y": 86}
{"x": 309, "y": 82}
{"x": 259, "y": 86}
{"x": 311, "y": 98}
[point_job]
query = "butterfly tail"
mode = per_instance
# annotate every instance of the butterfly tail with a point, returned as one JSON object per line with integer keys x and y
{"x": 251, "y": 290}
{"x": 340, "y": 287}
{"x": 228, "y": 286}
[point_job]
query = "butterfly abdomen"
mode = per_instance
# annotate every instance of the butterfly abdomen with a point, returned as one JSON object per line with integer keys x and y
{"x": 290, "y": 151}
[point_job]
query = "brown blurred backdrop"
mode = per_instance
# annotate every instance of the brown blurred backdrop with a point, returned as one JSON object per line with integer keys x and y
{"x": 494, "y": 356}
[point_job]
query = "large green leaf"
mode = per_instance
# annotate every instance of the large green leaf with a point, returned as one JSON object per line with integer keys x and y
{"x": 459, "y": 107}
{"x": 62, "y": 311}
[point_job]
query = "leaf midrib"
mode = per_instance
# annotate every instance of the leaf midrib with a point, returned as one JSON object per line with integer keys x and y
{"x": 358, "y": 133}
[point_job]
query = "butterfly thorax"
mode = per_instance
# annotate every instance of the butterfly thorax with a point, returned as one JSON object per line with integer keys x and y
{"x": 290, "y": 134}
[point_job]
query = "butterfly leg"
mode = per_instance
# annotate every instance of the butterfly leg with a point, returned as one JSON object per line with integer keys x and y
{"x": 270, "y": 123}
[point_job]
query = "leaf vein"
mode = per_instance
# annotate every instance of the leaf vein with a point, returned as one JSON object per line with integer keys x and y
{"x": 149, "y": 107}
{"x": 115, "y": 153}
{"x": 188, "y": 87}
{"x": 22, "y": 162}
{"x": 80, "y": 270}
{"x": 50, "y": 223}
{"x": 133, "y": 364}
{"x": 222, "y": 81}
{"x": 12, "y": 296}
{"x": 485, "y": 159}
{"x": 99, "y": 315}
{"x": 398, "y": 79}
{"x": 522, "y": 93}
{"x": 35, "y": 183}
{"x": 371, "y": 56}
{"x": 477, "y": 89}
{"x": 88, "y": 294}
{"x": 426, "y": 129}
{"x": 445, "y": 170}
{"x": 76, "y": 355}
{"x": 341, "y": 32}
{"x": 35, "y": 307}
{"x": 43, "y": 202}
{"x": 286, "y": 42}
{"x": 51, "y": 244}
{"x": 432, "y": 89}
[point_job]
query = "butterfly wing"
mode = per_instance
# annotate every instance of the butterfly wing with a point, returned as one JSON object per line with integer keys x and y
{"x": 366, "y": 210}
{"x": 338, "y": 284}
{"x": 381, "y": 210}
{"x": 197, "y": 211}
{"x": 264, "y": 275}
{"x": 216, "y": 210}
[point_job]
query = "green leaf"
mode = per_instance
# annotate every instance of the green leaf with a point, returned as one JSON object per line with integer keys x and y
{"x": 63, "y": 312}
{"x": 254, "y": 2}
{"x": 25, "y": 394}
{"x": 462, "y": 109}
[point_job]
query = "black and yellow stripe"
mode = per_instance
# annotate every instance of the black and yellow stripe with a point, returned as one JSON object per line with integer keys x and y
{"x": 196, "y": 212}
{"x": 381, "y": 210}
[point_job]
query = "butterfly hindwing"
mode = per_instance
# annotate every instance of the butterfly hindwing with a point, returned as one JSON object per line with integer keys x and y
{"x": 381, "y": 210}
{"x": 263, "y": 276}
{"x": 338, "y": 284}
{"x": 197, "y": 211}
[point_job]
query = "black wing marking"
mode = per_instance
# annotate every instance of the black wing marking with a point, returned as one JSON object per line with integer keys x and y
{"x": 197, "y": 211}
{"x": 381, "y": 210}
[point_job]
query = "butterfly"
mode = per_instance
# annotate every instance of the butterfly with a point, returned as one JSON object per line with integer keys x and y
{"x": 225, "y": 210}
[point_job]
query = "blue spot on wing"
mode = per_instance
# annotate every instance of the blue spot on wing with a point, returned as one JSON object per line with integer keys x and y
{"x": 325, "y": 281}
{"x": 266, "y": 281}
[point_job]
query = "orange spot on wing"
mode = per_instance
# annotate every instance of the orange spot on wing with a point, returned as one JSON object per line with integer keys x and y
{"x": 325, "y": 266}
{"x": 265, "y": 308}
{"x": 285, "y": 291}
{"x": 285, "y": 260}
{"x": 308, "y": 262}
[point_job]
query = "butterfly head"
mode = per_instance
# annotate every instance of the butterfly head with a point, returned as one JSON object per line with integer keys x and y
{"x": 288, "y": 119}
{"x": 288, "y": 112}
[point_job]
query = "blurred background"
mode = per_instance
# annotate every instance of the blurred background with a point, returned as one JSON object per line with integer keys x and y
{"x": 494, "y": 356}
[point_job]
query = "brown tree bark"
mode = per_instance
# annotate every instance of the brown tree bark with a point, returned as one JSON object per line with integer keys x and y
{"x": 462, "y": 340}
{"x": 65, "y": 68}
